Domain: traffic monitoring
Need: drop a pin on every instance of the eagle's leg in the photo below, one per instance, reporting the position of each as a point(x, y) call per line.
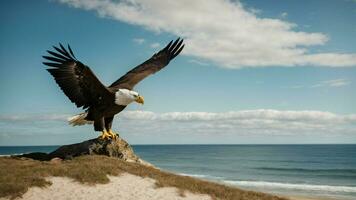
point(108, 125)
point(99, 125)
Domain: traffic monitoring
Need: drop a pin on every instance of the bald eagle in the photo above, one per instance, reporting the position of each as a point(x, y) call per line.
point(102, 103)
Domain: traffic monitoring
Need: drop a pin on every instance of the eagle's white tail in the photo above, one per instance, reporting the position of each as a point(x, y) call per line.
point(78, 120)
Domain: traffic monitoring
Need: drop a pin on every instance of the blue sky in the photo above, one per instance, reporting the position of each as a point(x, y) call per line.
point(279, 71)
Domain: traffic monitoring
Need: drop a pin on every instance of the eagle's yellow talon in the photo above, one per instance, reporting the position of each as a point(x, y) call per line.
point(105, 135)
point(113, 135)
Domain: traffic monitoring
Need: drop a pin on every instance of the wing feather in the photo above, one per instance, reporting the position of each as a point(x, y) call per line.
point(75, 79)
point(151, 66)
point(56, 55)
point(71, 52)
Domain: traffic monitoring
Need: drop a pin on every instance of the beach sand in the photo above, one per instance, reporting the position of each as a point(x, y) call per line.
point(126, 186)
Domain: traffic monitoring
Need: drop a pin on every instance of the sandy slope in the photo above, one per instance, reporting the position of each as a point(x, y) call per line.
point(309, 198)
point(125, 186)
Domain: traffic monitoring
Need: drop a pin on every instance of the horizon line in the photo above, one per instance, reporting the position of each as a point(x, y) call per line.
point(172, 144)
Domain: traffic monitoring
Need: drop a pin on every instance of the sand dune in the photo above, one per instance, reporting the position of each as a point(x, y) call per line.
point(126, 186)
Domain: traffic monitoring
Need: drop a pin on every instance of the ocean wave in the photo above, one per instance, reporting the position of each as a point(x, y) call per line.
point(9, 155)
point(308, 170)
point(194, 175)
point(201, 176)
point(308, 187)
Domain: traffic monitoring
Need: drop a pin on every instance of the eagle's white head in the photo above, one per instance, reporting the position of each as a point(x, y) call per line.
point(124, 97)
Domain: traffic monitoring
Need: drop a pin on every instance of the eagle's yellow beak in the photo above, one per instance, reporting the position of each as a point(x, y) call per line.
point(140, 100)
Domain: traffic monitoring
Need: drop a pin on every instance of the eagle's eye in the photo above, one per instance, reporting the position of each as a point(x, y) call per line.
point(135, 95)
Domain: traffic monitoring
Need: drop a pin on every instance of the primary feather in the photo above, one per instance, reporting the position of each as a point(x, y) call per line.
point(150, 66)
point(75, 79)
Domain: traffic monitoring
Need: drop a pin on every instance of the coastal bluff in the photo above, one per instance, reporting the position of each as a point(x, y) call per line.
point(116, 148)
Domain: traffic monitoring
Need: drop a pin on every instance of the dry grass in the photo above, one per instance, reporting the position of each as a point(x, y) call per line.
point(17, 175)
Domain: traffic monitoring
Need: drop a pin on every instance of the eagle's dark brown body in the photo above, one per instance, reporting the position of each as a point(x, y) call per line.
point(84, 89)
point(103, 115)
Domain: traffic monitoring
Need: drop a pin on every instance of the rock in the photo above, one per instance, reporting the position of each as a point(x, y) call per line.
point(35, 156)
point(117, 148)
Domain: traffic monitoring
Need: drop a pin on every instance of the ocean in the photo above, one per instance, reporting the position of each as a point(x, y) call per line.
point(296, 170)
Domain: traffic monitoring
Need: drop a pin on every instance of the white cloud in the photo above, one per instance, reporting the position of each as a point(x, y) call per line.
point(254, 122)
point(138, 40)
point(255, 11)
point(223, 32)
point(333, 83)
point(328, 83)
point(284, 14)
point(155, 45)
point(261, 114)
point(33, 117)
point(294, 87)
point(198, 62)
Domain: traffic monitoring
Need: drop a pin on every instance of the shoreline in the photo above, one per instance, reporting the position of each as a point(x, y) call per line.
point(309, 198)
point(269, 185)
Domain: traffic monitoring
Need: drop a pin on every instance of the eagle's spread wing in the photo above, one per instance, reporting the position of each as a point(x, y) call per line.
point(150, 66)
point(75, 79)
